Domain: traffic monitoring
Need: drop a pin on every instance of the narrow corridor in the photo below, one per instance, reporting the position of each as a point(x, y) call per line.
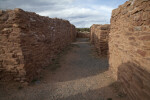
point(81, 76)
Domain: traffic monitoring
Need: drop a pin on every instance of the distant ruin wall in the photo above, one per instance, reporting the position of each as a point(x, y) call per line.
point(92, 32)
point(99, 37)
point(129, 48)
point(29, 42)
point(83, 35)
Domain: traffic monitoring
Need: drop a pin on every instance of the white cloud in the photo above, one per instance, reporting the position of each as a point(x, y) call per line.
point(103, 8)
point(78, 15)
point(82, 17)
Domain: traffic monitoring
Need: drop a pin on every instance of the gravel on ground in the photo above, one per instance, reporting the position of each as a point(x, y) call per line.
point(81, 76)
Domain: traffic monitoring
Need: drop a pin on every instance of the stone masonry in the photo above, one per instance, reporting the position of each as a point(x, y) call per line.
point(129, 48)
point(83, 35)
point(92, 32)
point(29, 42)
point(99, 37)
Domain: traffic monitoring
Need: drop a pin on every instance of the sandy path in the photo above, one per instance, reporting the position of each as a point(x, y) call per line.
point(81, 76)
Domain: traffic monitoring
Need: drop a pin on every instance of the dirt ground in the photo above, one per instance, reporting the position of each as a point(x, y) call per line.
point(78, 74)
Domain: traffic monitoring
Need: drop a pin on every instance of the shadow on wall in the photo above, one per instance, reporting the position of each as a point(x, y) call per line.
point(104, 49)
point(99, 37)
point(135, 81)
point(101, 46)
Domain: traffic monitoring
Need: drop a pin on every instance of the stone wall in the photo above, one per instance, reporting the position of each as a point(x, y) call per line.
point(83, 34)
point(129, 48)
point(99, 37)
point(92, 31)
point(29, 42)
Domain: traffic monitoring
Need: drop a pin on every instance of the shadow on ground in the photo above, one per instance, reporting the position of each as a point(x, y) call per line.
point(82, 76)
point(110, 92)
point(80, 63)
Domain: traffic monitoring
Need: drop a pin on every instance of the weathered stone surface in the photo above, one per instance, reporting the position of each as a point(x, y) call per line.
point(83, 34)
point(99, 37)
point(29, 42)
point(129, 48)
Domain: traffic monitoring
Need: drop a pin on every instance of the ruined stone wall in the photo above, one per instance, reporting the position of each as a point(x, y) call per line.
point(129, 48)
point(83, 34)
point(92, 31)
point(29, 42)
point(99, 37)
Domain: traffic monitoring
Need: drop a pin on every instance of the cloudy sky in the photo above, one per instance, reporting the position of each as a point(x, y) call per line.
point(81, 13)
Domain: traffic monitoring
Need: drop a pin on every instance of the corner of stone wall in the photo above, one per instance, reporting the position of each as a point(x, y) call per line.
point(29, 42)
point(99, 37)
point(11, 57)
